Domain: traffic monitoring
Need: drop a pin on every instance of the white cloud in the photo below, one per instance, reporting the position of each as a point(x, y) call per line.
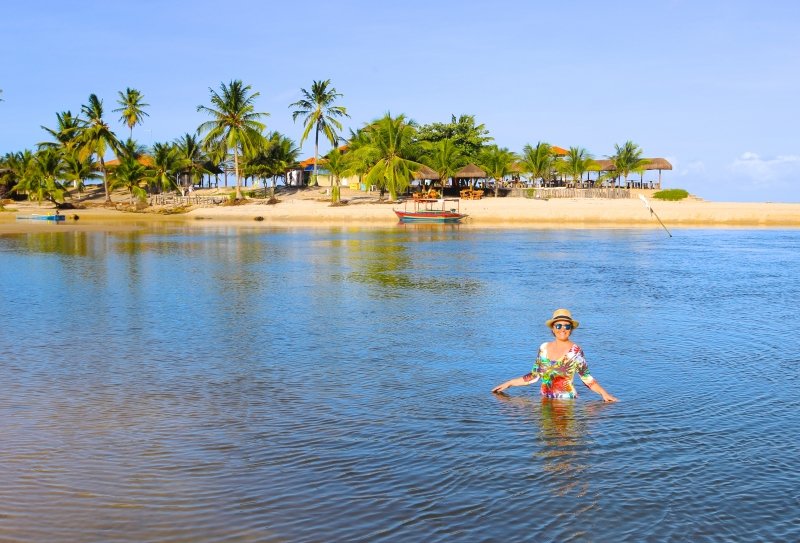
point(767, 171)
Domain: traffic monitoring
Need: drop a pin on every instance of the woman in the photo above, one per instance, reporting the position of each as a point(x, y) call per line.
point(557, 363)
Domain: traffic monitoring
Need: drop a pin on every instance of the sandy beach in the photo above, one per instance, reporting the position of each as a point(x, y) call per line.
point(311, 208)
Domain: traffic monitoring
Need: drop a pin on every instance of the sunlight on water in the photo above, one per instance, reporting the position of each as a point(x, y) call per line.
point(226, 384)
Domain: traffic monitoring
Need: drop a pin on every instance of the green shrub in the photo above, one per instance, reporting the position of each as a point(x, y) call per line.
point(671, 194)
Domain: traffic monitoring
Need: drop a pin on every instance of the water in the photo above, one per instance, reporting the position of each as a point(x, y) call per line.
point(231, 384)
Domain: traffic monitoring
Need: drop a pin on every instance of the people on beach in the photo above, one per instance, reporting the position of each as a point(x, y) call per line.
point(557, 363)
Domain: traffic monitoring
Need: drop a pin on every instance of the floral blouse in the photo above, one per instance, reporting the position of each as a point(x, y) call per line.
point(557, 375)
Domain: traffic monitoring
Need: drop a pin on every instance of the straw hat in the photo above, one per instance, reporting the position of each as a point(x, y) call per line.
point(562, 315)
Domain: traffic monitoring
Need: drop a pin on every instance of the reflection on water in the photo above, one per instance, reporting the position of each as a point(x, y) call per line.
point(247, 384)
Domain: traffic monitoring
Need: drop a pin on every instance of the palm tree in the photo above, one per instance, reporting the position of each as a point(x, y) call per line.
point(77, 169)
point(131, 108)
point(66, 132)
point(320, 113)
point(338, 166)
point(97, 137)
point(497, 162)
point(362, 157)
point(167, 163)
point(14, 167)
point(283, 155)
point(627, 159)
point(391, 146)
point(538, 161)
point(444, 158)
point(190, 150)
point(131, 148)
point(130, 174)
point(577, 162)
point(40, 178)
point(235, 125)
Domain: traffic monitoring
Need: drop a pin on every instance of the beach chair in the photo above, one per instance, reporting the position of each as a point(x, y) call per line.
point(477, 194)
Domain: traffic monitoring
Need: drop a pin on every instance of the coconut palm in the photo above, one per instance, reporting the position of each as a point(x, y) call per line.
point(14, 167)
point(66, 133)
point(362, 157)
point(235, 125)
point(131, 148)
point(443, 157)
point(131, 108)
point(576, 162)
point(497, 162)
point(393, 149)
point(40, 179)
point(190, 150)
point(97, 137)
point(283, 153)
point(627, 159)
point(338, 167)
point(538, 161)
point(77, 169)
point(320, 114)
point(131, 174)
point(167, 163)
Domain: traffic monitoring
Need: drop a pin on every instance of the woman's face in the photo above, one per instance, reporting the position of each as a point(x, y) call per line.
point(562, 329)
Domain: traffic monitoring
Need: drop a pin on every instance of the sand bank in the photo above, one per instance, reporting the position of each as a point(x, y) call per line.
point(309, 208)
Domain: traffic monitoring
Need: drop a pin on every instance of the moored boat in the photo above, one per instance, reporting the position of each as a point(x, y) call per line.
point(35, 217)
point(427, 210)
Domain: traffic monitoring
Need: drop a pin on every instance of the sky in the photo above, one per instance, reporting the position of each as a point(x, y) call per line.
point(712, 86)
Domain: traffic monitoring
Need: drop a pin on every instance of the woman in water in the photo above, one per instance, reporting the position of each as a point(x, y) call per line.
point(557, 363)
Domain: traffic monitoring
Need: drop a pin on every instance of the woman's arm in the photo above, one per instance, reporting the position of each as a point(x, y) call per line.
point(595, 387)
point(525, 380)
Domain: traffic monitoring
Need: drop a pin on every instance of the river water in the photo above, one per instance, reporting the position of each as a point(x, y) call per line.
point(225, 383)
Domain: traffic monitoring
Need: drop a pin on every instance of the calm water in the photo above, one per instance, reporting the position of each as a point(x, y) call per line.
point(233, 384)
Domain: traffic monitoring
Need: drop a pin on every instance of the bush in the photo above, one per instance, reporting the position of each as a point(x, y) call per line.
point(671, 194)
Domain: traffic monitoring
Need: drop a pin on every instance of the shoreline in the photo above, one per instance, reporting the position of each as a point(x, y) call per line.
point(308, 209)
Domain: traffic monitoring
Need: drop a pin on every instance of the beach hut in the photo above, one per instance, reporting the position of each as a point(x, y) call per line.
point(470, 172)
point(658, 164)
point(606, 165)
point(425, 172)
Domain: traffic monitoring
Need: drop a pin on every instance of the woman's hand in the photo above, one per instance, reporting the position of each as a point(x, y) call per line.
point(609, 398)
point(501, 388)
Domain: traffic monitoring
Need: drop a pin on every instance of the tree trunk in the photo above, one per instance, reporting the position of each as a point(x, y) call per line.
point(316, 157)
point(105, 179)
point(236, 172)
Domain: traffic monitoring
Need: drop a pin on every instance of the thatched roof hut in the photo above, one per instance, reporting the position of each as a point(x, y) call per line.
point(606, 165)
point(658, 164)
point(425, 172)
point(558, 151)
point(144, 160)
point(470, 171)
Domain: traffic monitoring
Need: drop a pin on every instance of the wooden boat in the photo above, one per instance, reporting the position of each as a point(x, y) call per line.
point(35, 217)
point(429, 210)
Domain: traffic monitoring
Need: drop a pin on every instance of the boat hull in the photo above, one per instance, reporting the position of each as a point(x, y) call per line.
point(429, 216)
point(51, 218)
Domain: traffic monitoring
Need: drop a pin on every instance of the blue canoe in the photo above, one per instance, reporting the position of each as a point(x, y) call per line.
point(51, 218)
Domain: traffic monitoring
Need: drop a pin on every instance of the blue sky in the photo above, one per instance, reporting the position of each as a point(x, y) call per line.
point(713, 86)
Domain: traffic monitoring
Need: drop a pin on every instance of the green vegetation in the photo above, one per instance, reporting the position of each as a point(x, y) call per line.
point(320, 114)
point(236, 124)
point(671, 194)
point(386, 153)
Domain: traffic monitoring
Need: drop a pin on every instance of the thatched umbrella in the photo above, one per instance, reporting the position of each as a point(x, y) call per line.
point(658, 164)
point(144, 160)
point(425, 172)
point(471, 172)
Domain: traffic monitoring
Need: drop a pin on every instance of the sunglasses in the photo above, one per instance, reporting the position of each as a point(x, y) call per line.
point(564, 326)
